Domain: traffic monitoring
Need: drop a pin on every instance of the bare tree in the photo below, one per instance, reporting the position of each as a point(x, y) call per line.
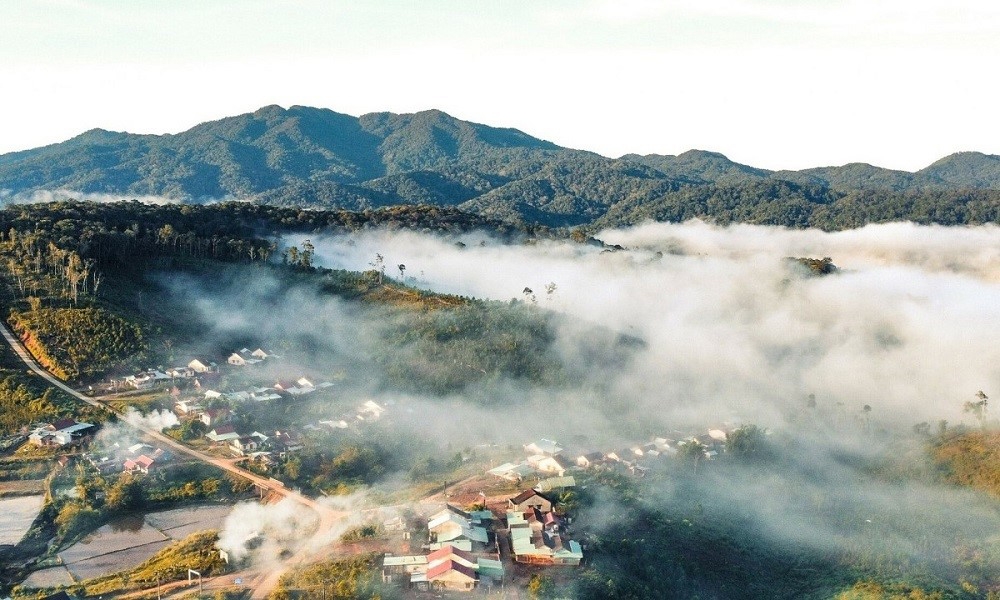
point(97, 278)
point(379, 266)
point(978, 408)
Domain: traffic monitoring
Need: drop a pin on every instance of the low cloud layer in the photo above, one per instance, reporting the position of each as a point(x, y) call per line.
point(730, 332)
point(908, 325)
point(8, 197)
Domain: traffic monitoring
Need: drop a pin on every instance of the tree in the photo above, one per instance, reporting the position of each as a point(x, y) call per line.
point(402, 272)
point(127, 493)
point(379, 267)
point(308, 250)
point(692, 452)
point(76, 518)
point(539, 586)
point(747, 442)
point(192, 429)
point(978, 408)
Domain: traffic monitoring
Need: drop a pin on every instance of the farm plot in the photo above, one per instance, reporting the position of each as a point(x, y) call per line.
point(16, 516)
point(182, 522)
point(49, 578)
point(126, 543)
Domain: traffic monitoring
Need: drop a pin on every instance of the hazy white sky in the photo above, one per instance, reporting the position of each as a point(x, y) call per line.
point(773, 83)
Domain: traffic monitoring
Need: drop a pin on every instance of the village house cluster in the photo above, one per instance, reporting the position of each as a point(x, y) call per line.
point(194, 371)
point(547, 458)
point(537, 533)
point(135, 458)
point(464, 547)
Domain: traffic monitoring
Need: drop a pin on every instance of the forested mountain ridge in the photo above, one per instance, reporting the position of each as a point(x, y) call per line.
point(317, 158)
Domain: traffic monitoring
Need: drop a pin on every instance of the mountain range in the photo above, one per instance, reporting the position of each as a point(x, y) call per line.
point(312, 157)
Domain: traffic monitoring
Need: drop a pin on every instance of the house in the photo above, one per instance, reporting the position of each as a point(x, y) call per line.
point(223, 434)
point(137, 449)
point(537, 541)
point(104, 464)
point(140, 464)
point(399, 568)
point(637, 470)
point(449, 527)
point(213, 416)
point(244, 445)
point(370, 411)
point(490, 568)
point(719, 435)
point(284, 384)
point(335, 424)
point(263, 395)
point(589, 459)
point(529, 499)
point(64, 432)
point(556, 465)
point(665, 446)
point(543, 446)
point(480, 516)
point(259, 354)
point(180, 372)
point(187, 406)
point(287, 441)
point(555, 483)
point(148, 379)
point(512, 472)
point(451, 575)
point(453, 554)
point(203, 366)
point(242, 358)
point(622, 456)
point(455, 510)
point(292, 388)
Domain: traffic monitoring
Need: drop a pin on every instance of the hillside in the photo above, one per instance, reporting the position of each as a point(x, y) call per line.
point(317, 158)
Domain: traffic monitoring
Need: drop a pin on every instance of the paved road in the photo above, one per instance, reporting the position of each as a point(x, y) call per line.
point(327, 516)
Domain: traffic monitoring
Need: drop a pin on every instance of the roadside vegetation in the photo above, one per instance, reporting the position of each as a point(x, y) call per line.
point(354, 578)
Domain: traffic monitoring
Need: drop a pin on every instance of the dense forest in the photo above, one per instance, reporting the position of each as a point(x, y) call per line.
point(735, 527)
point(83, 291)
point(316, 158)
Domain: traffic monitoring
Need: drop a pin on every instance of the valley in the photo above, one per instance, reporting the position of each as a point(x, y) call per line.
point(689, 401)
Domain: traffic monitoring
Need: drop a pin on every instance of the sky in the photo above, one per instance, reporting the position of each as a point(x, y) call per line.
point(773, 83)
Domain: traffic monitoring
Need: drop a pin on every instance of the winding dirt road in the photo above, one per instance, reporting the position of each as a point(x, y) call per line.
point(327, 516)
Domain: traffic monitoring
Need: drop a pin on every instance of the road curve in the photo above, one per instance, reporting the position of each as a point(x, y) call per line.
point(327, 516)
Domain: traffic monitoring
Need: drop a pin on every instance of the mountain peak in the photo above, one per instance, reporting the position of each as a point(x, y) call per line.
point(965, 169)
point(694, 154)
point(271, 110)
